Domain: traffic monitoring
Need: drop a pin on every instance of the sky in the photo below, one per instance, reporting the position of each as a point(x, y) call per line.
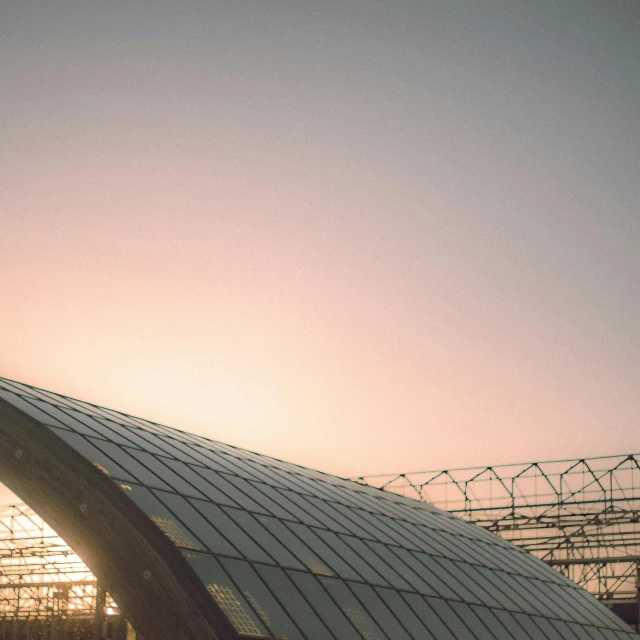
point(365, 237)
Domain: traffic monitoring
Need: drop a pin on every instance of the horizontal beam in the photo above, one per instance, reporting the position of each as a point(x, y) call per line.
point(599, 560)
point(58, 584)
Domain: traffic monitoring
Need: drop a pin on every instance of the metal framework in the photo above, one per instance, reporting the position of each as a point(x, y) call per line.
point(45, 586)
point(580, 516)
point(40, 575)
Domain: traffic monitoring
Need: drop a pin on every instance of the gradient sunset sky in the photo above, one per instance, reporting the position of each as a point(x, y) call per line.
point(365, 237)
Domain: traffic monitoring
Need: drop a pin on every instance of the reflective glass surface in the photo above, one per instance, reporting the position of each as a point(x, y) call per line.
point(291, 553)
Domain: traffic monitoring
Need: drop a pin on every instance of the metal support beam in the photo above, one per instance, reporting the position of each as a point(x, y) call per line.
point(580, 516)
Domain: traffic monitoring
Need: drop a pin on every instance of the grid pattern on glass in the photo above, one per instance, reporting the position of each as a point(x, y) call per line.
point(173, 531)
point(233, 609)
point(289, 552)
point(363, 624)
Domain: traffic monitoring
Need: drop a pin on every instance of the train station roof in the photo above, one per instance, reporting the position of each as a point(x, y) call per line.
point(196, 539)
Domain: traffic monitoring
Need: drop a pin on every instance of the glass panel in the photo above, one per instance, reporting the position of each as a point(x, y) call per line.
point(272, 545)
point(190, 518)
point(287, 479)
point(507, 585)
point(296, 546)
point(205, 488)
point(490, 616)
point(563, 629)
point(405, 614)
point(143, 475)
point(226, 463)
point(529, 626)
point(338, 494)
point(91, 409)
point(163, 471)
point(471, 620)
point(295, 513)
point(516, 562)
point(399, 535)
point(164, 519)
point(379, 611)
point(297, 505)
point(334, 520)
point(565, 598)
point(232, 466)
point(363, 527)
point(397, 511)
point(622, 636)
point(124, 435)
point(30, 409)
point(231, 531)
point(166, 446)
point(323, 490)
point(339, 566)
point(243, 467)
point(359, 617)
point(192, 451)
point(220, 481)
point(261, 599)
point(394, 560)
point(268, 476)
point(485, 624)
point(294, 603)
point(324, 605)
point(376, 562)
point(547, 630)
point(378, 504)
point(485, 590)
point(59, 416)
point(530, 588)
point(97, 429)
point(93, 454)
point(581, 632)
point(14, 387)
point(230, 601)
point(467, 552)
point(114, 416)
point(254, 492)
point(436, 624)
point(210, 457)
point(456, 579)
point(422, 540)
point(348, 554)
point(418, 562)
point(78, 422)
point(601, 616)
point(497, 558)
point(434, 539)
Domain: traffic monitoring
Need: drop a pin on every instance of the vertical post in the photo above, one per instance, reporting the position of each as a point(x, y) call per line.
point(638, 596)
point(98, 615)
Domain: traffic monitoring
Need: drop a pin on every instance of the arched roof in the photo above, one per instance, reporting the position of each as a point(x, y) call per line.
point(201, 540)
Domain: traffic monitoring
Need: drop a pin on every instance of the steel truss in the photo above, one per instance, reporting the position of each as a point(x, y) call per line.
point(40, 576)
point(580, 516)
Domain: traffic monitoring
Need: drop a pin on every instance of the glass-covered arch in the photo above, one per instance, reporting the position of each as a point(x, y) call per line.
point(198, 539)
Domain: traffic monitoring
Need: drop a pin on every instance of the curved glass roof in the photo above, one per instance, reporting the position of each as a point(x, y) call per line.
point(291, 553)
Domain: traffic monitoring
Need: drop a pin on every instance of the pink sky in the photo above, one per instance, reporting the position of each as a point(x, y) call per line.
point(365, 242)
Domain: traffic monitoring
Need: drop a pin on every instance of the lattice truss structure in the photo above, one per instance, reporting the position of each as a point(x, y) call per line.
point(580, 516)
point(40, 575)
